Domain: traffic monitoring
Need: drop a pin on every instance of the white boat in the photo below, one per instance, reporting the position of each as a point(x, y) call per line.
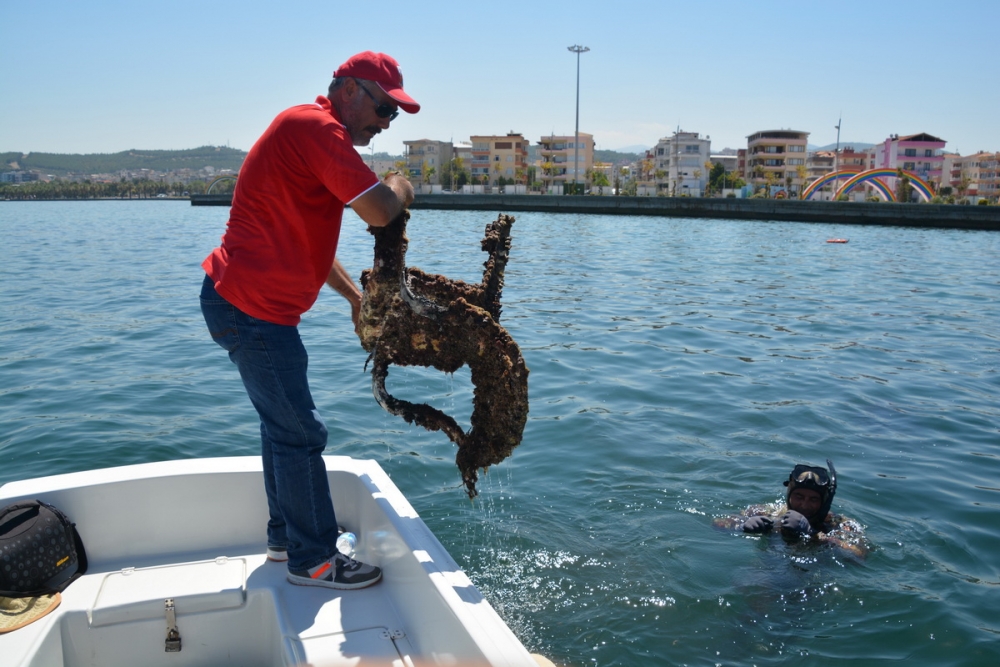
point(193, 532)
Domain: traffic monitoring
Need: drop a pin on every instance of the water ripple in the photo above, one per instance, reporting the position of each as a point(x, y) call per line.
point(678, 369)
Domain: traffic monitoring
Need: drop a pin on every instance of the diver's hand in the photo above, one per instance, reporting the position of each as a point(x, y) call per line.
point(758, 524)
point(794, 522)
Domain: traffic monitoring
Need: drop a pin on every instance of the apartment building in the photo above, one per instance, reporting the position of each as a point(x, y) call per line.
point(851, 160)
point(777, 158)
point(948, 170)
point(728, 161)
point(921, 154)
point(679, 164)
point(496, 156)
point(562, 159)
point(18, 176)
point(380, 166)
point(975, 177)
point(818, 165)
point(463, 151)
point(822, 163)
point(424, 158)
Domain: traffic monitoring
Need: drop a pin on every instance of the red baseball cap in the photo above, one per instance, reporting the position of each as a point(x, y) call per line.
point(383, 70)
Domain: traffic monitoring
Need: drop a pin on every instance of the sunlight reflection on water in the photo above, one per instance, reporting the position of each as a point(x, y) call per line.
point(678, 369)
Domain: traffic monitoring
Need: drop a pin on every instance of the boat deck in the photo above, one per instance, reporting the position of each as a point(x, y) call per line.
point(190, 535)
point(244, 599)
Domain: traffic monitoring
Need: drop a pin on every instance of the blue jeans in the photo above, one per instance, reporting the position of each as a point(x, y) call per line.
point(272, 362)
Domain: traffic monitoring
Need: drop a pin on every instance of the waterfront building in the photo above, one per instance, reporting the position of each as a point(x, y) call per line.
point(461, 155)
point(728, 161)
point(603, 172)
point(424, 159)
point(681, 164)
point(853, 160)
point(557, 155)
point(381, 165)
point(463, 150)
point(818, 165)
point(921, 154)
point(499, 156)
point(948, 171)
point(822, 163)
point(974, 177)
point(19, 176)
point(776, 159)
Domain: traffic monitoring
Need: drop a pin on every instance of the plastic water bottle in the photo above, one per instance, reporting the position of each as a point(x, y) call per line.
point(347, 542)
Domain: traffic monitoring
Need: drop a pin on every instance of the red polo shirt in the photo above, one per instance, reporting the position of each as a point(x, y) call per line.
point(284, 223)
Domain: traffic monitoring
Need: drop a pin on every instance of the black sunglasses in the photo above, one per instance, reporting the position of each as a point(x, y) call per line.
point(382, 110)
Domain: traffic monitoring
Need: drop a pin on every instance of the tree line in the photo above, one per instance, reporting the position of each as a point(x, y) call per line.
point(139, 188)
point(62, 164)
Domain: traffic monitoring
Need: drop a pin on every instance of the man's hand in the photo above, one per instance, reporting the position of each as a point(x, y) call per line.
point(401, 186)
point(356, 317)
point(757, 524)
point(340, 280)
point(794, 522)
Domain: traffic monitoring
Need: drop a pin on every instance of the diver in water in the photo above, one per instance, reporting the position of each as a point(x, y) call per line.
point(806, 513)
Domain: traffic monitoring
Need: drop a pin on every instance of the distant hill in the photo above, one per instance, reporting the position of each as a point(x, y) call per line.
point(617, 157)
point(609, 156)
point(856, 145)
point(639, 149)
point(61, 164)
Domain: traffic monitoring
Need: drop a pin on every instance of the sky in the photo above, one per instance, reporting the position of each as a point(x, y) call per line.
point(105, 76)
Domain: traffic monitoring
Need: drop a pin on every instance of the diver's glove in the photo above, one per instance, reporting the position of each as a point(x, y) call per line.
point(794, 522)
point(758, 524)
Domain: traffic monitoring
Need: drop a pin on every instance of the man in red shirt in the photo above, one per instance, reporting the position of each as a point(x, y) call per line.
point(278, 250)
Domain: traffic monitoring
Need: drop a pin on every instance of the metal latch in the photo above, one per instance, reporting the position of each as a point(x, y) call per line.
point(173, 642)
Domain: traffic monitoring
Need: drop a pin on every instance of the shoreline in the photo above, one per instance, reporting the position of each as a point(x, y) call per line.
point(947, 216)
point(855, 213)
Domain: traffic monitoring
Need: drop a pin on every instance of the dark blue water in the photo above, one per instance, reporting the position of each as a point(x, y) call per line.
point(679, 368)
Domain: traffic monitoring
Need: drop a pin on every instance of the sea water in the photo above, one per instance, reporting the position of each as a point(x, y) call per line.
point(679, 369)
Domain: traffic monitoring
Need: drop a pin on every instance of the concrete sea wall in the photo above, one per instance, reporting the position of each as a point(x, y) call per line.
point(854, 213)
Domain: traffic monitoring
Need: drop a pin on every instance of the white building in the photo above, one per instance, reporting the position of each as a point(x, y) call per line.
point(679, 164)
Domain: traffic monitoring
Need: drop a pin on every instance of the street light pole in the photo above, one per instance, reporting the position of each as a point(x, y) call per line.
point(836, 157)
point(576, 138)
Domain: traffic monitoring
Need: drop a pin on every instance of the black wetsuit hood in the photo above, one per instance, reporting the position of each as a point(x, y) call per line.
point(817, 479)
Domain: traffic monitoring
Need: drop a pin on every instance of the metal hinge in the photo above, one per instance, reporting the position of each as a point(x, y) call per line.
point(173, 641)
point(392, 634)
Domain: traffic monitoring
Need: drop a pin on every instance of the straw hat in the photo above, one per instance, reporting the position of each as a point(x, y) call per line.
point(18, 612)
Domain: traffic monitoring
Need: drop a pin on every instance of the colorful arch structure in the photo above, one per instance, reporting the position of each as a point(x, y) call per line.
point(882, 189)
point(872, 176)
point(813, 187)
point(922, 187)
point(219, 179)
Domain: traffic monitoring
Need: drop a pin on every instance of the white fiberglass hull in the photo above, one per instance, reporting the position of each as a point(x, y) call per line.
point(193, 532)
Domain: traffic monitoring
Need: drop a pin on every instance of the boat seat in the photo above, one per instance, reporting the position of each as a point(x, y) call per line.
point(137, 594)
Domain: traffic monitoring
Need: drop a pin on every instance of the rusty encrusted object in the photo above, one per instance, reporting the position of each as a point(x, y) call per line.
point(412, 318)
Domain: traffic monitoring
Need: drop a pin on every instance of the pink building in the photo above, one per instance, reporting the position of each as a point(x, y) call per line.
point(921, 154)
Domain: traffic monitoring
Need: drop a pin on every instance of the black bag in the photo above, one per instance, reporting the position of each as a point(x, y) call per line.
point(40, 550)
